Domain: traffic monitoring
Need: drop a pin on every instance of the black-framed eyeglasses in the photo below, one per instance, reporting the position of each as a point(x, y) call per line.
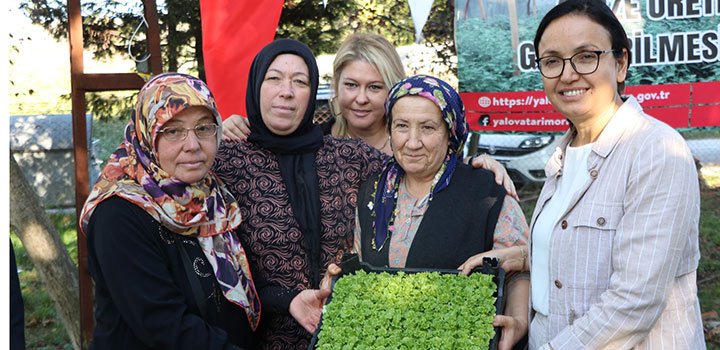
point(176, 133)
point(583, 62)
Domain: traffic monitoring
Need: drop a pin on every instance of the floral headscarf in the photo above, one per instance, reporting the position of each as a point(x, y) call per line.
point(382, 206)
point(204, 209)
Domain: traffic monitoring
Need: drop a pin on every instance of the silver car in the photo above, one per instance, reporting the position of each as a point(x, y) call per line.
point(524, 155)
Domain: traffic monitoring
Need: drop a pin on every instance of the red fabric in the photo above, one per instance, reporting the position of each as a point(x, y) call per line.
point(233, 32)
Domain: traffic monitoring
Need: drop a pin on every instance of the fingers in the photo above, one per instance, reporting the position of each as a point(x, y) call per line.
point(306, 307)
point(311, 325)
point(235, 128)
point(503, 321)
point(471, 263)
point(323, 293)
point(510, 187)
point(507, 339)
point(332, 271)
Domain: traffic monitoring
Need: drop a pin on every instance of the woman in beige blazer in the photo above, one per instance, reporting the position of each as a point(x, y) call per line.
point(614, 235)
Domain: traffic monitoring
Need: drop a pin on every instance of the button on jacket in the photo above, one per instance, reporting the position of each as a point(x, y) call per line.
point(624, 255)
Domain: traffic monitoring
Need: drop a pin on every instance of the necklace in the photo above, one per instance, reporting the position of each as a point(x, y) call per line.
point(387, 139)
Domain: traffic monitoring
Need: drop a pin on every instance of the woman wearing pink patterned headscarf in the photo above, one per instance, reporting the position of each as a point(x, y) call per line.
point(169, 270)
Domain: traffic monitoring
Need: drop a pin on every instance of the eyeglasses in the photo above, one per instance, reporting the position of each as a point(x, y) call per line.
point(583, 62)
point(176, 133)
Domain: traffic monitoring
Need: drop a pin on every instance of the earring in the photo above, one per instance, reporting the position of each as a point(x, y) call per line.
point(334, 107)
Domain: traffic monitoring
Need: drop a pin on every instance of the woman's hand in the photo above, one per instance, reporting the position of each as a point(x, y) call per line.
point(511, 259)
point(307, 306)
point(487, 162)
point(235, 128)
point(332, 271)
point(513, 330)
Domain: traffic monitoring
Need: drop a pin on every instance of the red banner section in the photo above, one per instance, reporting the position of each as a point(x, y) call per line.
point(677, 117)
point(233, 32)
point(707, 92)
point(707, 115)
point(548, 121)
point(661, 95)
point(529, 111)
point(516, 101)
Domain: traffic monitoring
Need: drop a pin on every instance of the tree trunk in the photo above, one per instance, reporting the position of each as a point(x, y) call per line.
point(197, 32)
point(46, 251)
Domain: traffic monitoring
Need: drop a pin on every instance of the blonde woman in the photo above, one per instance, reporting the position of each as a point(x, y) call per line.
point(365, 67)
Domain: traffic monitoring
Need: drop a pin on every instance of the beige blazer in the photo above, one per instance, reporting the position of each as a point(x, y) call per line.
point(624, 255)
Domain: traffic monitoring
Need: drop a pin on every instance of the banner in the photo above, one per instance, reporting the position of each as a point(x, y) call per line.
point(674, 73)
point(234, 31)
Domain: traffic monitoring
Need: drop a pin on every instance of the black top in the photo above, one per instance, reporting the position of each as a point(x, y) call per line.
point(143, 298)
point(459, 222)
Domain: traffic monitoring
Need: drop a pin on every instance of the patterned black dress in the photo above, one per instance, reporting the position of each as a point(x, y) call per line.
point(270, 234)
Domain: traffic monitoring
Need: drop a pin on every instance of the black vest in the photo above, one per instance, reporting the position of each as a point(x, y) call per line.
point(458, 224)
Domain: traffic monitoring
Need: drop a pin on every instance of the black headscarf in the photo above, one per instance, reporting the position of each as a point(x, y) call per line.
point(295, 152)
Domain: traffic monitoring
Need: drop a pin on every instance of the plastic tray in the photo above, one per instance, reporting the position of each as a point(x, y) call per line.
point(350, 263)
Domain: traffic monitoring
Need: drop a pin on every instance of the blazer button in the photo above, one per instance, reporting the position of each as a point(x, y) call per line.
point(601, 221)
point(594, 173)
point(563, 224)
point(558, 284)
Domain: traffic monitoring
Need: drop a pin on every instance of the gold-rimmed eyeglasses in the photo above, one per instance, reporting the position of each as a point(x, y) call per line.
point(176, 133)
point(583, 62)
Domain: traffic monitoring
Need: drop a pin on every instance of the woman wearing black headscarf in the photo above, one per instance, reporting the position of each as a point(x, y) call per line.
point(296, 188)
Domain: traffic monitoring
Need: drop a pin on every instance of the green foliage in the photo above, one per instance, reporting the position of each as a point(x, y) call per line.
point(390, 19)
point(321, 29)
point(485, 59)
point(425, 310)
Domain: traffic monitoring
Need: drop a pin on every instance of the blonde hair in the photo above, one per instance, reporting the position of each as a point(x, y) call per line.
point(373, 49)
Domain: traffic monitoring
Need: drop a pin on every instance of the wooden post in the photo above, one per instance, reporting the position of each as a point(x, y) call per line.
point(81, 165)
point(81, 83)
point(153, 35)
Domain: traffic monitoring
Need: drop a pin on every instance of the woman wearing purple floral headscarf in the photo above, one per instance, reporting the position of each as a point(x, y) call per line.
point(426, 209)
point(169, 270)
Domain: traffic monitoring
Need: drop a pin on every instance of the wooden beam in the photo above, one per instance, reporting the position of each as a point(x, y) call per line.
point(81, 166)
point(108, 81)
